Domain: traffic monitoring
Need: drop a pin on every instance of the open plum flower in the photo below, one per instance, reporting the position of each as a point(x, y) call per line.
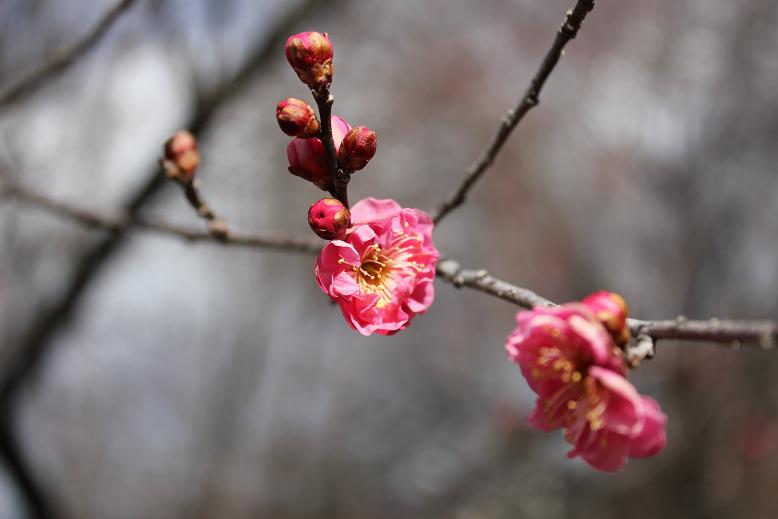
point(571, 362)
point(381, 274)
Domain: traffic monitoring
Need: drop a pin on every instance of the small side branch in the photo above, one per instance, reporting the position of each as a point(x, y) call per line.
point(121, 223)
point(531, 98)
point(65, 58)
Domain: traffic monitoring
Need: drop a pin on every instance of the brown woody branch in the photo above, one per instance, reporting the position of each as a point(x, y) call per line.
point(63, 59)
point(324, 101)
point(125, 222)
point(531, 98)
point(763, 333)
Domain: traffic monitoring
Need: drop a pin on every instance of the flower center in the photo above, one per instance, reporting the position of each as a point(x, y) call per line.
point(380, 270)
point(374, 264)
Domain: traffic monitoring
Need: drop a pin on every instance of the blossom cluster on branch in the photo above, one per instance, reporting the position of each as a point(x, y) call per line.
point(572, 358)
point(379, 265)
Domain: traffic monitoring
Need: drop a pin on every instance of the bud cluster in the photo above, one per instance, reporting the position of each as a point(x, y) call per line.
point(310, 55)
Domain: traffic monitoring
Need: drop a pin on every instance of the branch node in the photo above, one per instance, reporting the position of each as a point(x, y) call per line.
point(218, 228)
point(644, 348)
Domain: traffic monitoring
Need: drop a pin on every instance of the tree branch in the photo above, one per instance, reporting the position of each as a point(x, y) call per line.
point(763, 333)
point(63, 59)
point(125, 222)
point(340, 178)
point(531, 98)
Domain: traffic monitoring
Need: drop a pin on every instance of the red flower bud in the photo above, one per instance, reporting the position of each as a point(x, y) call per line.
point(310, 55)
point(329, 218)
point(611, 310)
point(296, 118)
point(307, 158)
point(181, 156)
point(358, 147)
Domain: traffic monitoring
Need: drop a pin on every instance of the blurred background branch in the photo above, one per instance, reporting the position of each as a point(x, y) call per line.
point(63, 59)
point(529, 100)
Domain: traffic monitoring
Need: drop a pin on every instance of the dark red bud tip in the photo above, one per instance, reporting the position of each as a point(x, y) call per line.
point(310, 55)
point(296, 118)
point(357, 148)
point(181, 156)
point(329, 218)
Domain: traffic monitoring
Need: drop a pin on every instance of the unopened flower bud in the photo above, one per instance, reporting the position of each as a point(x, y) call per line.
point(310, 55)
point(296, 118)
point(358, 147)
point(181, 156)
point(308, 159)
point(329, 218)
point(611, 310)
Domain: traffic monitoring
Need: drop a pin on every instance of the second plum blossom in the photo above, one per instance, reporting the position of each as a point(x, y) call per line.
point(572, 363)
point(381, 274)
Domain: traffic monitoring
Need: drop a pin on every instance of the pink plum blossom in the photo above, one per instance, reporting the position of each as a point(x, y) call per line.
point(572, 363)
point(381, 274)
point(307, 158)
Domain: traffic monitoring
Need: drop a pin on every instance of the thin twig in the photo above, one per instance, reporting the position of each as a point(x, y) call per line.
point(63, 59)
point(531, 98)
point(124, 222)
point(340, 178)
point(763, 333)
point(216, 225)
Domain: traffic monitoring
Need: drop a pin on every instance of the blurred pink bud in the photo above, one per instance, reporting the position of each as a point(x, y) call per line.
point(329, 219)
point(310, 55)
point(296, 118)
point(181, 156)
point(611, 309)
point(359, 146)
point(307, 158)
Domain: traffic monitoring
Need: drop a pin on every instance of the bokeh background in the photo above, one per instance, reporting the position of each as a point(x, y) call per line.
point(191, 380)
